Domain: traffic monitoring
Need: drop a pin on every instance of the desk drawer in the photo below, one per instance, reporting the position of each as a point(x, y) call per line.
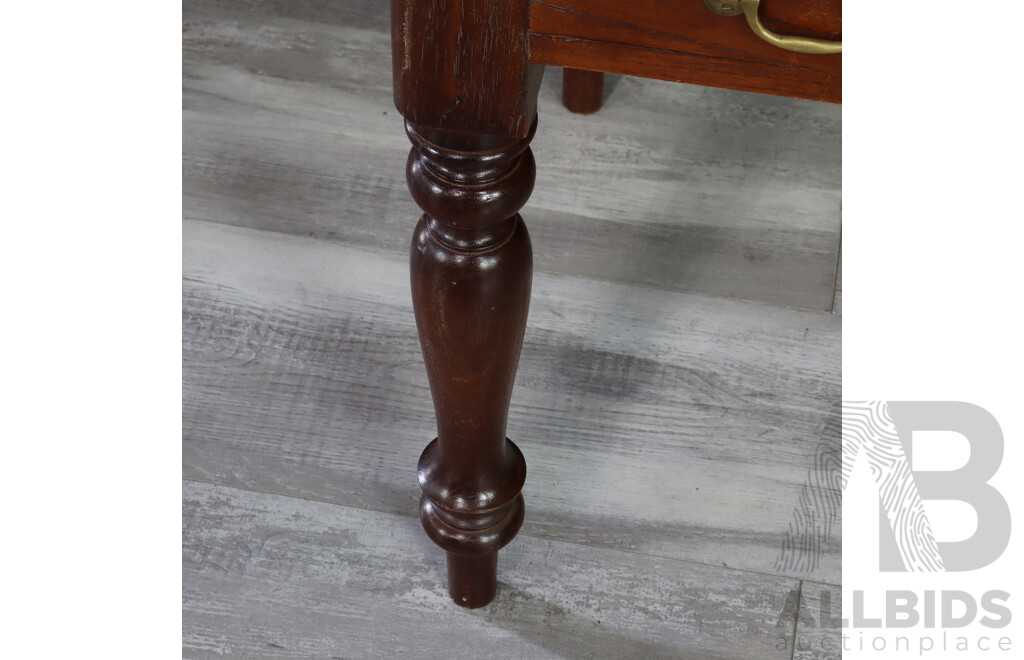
point(684, 41)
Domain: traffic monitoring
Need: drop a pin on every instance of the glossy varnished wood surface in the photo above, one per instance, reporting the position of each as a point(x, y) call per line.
point(688, 43)
point(467, 92)
point(471, 268)
point(658, 354)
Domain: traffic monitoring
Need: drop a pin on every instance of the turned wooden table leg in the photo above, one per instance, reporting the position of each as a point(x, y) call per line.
point(469, 97)
point(582, 91)
point(471, 269)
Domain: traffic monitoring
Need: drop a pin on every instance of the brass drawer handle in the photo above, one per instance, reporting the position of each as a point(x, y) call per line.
point(797, 44)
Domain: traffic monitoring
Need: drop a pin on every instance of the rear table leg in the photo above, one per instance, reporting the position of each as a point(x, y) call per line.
point(582, 91)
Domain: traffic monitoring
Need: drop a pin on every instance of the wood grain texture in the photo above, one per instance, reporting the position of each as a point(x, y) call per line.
point(273, 577)
point(463, 65)
point(692, 28)
point(673, 66)
point(305, 352)
point(818, 631)
point(290, 126)
point(360, 14)
point(690, 44)
point(837, 302)
point(818, 19)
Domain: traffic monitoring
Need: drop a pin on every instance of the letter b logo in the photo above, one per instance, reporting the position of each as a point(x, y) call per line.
point(883, 430)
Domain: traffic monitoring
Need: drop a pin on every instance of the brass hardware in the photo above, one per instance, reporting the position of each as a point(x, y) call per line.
point(797, 44)
point(724, 7)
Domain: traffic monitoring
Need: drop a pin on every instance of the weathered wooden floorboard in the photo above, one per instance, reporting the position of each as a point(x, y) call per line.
point(837, 303)
point(290, 126)
point(364, 14)
point(303, 377)
point(818, 631)
point(267, 576)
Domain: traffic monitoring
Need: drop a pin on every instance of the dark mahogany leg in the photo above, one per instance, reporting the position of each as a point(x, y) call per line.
point(471, 269)
point(582, 91)
point(468, 93)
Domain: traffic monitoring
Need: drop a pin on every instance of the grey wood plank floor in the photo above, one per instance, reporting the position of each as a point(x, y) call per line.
point(318, 580)
point(676, 400)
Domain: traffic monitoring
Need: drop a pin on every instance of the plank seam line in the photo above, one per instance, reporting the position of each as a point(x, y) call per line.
point(835, 277)
point(520, 535)
point(796, 618)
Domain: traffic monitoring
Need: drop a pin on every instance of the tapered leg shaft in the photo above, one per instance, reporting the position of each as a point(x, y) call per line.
point(471, 271)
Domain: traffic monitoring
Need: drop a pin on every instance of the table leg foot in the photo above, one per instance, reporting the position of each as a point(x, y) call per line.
point(582, 91)
point(472, 580)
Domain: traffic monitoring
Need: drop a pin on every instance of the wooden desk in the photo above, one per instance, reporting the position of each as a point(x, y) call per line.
point(466, 74)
